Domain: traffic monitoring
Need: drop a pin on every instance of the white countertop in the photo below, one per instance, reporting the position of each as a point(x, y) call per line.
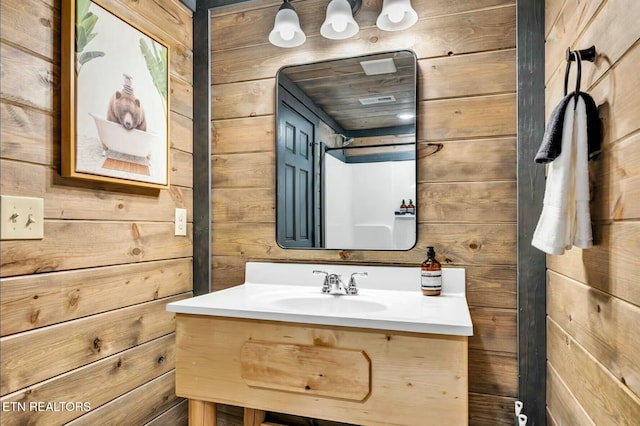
point(294, 296)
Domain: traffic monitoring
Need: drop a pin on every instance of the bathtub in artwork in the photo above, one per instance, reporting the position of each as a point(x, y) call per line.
point(116, 138)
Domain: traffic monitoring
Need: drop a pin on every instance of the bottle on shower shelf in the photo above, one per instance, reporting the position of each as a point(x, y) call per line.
point(403, 207)
point(411, 209)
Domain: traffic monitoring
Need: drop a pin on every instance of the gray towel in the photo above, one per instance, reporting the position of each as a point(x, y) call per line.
point(552, 140)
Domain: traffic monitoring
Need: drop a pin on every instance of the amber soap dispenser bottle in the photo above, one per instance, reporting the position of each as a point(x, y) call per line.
point(431, 274)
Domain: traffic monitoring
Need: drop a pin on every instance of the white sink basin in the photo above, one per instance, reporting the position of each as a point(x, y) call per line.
point(328, 304)
point(389, 299)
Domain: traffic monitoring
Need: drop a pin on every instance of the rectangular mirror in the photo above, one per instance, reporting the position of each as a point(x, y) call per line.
point(346, 153)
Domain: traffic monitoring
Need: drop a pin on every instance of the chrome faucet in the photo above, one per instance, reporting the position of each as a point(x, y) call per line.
point(334, 285)
point(352, 288)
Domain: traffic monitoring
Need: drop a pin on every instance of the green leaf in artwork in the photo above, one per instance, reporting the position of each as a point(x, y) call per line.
point(82, 7)
point(157, 65)
point(87, 56)
point(85, 23)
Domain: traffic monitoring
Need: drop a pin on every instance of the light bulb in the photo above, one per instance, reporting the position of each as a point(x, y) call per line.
point(287, 33)
point(405, 116)
point(396, 15)
point(339, 24)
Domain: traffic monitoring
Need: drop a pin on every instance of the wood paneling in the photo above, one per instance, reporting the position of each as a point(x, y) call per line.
point(28, 80)
point(260, 19)
point(138, 406)
point(616, 181)
point(257, 170)
point(466, 191)
point(491, 286)
point(243, 99)
point(110, 243)
point(490, 410)
point(495, 160)
point(66, 199)
point(448, 77)
point(611, 265)
point(493, 373)
point(561, 404)
point(86, 340)
point(493, 29)
point(33, 301)
point(468, 202)
point(493, 330)
point(33, 24)
point(27, 134)
point(122, 372)
point(592, 294)
point(178, 415)
point(181, 168)
point(243, 135)
point(83, 310)
point(598, 391)
point(458, 244)
point(467, 117)
point(243, 205)
point(592, 318)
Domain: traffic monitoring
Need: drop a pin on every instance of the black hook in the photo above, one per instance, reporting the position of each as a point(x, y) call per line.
point(585, 54)
point(577, 58)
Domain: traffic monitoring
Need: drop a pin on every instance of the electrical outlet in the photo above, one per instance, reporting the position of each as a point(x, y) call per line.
point(181, 222)
point(22, 218)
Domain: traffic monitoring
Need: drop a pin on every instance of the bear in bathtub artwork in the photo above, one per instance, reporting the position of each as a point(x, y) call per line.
point(121, 103)
point(124, 130)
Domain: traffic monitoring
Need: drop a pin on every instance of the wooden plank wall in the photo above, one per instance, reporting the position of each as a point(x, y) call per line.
point(466, 192)
point(593, 295)
point(83, 311)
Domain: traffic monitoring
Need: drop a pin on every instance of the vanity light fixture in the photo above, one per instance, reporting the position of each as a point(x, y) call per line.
point(339, 23)
point(396, 15)
point(286, 30)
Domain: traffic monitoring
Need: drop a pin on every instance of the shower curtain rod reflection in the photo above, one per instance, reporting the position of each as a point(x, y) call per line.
point(369, 146)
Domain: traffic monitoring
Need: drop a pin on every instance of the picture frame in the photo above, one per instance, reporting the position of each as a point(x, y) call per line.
point(115, 98)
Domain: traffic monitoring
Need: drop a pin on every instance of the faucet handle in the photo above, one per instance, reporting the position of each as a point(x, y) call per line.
point(353, 288)
point(325, 284)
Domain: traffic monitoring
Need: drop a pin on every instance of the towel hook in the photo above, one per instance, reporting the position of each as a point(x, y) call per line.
point(577, 58)
point(585, 54)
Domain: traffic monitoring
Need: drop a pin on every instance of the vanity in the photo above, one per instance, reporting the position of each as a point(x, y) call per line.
point(386, 355)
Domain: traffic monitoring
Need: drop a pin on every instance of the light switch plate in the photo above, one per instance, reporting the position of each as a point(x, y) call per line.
point(22, 218)
point(181, 222)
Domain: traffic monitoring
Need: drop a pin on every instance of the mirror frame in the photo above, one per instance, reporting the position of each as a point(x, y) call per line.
point(280, 96)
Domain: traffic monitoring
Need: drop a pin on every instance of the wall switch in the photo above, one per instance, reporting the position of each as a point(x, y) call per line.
point(181, 222)
point(21, 218)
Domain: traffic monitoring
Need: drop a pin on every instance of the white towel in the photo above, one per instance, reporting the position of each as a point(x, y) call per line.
point(565, 220)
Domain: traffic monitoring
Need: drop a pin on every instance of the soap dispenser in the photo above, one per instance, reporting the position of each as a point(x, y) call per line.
point(431, 274)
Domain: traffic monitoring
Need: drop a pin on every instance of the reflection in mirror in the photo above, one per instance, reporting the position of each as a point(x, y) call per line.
point(346, 153)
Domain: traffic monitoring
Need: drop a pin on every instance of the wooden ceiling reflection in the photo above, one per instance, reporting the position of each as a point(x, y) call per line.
point(338, 86)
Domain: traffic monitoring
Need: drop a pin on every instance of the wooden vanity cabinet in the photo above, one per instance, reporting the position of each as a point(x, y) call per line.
point(352, 375)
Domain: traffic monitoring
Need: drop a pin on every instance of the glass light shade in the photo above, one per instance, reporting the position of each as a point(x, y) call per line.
point(339, 23)
point(396, 15)
point(286, 30)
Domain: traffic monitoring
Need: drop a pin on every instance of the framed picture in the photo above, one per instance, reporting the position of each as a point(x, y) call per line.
point(115, 98)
